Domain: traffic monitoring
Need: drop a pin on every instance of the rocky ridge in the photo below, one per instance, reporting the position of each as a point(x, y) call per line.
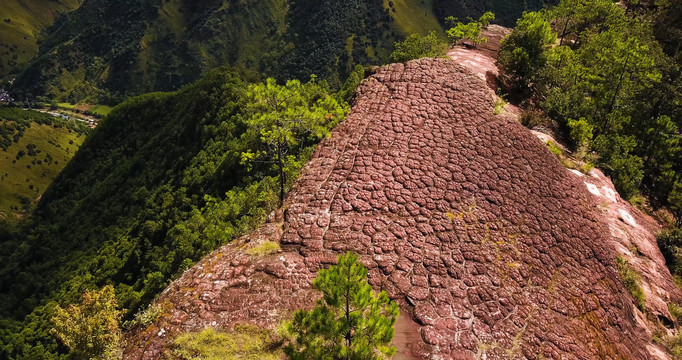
point(491, 247)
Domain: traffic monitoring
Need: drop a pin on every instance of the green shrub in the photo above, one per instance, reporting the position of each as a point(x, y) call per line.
point(470, 31)
point(417, 46)
point(523, 52)
point(147, 316)
point(670, 242)
point(675, 311)
point(632, 282)
point(674, 344)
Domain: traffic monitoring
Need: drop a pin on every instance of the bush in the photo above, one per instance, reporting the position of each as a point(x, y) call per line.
point(523, 52)
point(581, 133)
point(90, 330)
point(470, 31)
point(670, 242)
point(632, 282)
point(417, 46)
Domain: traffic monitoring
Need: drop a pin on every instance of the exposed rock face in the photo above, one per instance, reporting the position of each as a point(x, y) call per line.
point(489, 245)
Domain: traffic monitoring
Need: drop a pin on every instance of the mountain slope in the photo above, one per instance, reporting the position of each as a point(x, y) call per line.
point(21, 24)
point(106, 51)
point(35, 148)
point(488, 244)
point(155, 186)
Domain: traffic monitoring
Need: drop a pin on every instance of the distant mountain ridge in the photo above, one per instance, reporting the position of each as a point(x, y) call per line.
point(106, 51)
point(21, 22)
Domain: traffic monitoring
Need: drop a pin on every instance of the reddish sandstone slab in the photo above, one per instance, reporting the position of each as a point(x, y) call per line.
point(488, 244)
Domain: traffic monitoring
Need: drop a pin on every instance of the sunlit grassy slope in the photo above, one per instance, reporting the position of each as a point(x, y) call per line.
point(414, 16)
point(20, 24)
point(24, 178)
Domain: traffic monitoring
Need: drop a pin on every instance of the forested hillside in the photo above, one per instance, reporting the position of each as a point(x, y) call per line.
point(21, 24)
point(106, 51)
point(160, 183)
point(599, 72)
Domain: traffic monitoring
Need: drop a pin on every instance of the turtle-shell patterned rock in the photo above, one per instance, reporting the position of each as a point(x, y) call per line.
point(492, 249)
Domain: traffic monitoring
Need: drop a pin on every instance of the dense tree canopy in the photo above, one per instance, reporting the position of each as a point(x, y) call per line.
point(283, 116)
point(159, 184)
point(417, 46)
point(608, 84)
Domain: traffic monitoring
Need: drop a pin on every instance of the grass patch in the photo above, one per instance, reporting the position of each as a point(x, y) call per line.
point(563, 157)
point(631, 280)
point(66, 106)
point(99, 110)
point(246, 342)
point(499, 105)
point(264, 248)
point(675, 311)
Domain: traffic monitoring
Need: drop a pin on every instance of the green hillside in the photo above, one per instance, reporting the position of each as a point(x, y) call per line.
point(157, 185)
point(106, 51)
point(21, 23)
point(35, 148)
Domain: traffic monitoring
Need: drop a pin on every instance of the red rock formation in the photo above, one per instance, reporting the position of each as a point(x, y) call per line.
point(489, 245)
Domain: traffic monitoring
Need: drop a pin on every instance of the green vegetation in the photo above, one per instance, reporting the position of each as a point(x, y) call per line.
point(524, 52)
point(245, 342)
point(670, 243)
point(161, 45)
point(159, 184)
point(471, 31)
point(282, 116)
point(506, 12)
point(35, 147)
point(416, 46)
point(349, 322)
point(675, 311)
point(609, 86)
point(674, 345)
point(264, 248)
point(414, 16)
point(21, 22)
point(90, 330)
point(104, 52)
point(632, 282)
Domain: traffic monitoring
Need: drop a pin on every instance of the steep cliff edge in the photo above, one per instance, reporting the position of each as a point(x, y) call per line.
point(465, 218)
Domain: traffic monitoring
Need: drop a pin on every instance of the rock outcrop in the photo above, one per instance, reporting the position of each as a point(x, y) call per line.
point(491, 248)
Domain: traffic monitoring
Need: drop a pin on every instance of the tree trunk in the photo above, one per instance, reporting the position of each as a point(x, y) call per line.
point(615, 94)
point(349, 335)
point(280, 163)
point(563, 32)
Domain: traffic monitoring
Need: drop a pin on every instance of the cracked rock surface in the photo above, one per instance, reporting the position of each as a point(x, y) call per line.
point(492, 249)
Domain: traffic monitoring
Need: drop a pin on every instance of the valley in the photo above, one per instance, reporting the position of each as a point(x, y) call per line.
point(366, 179)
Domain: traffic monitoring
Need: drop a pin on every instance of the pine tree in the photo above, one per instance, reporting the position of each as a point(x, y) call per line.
point(284, 116)
point(349, 322)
